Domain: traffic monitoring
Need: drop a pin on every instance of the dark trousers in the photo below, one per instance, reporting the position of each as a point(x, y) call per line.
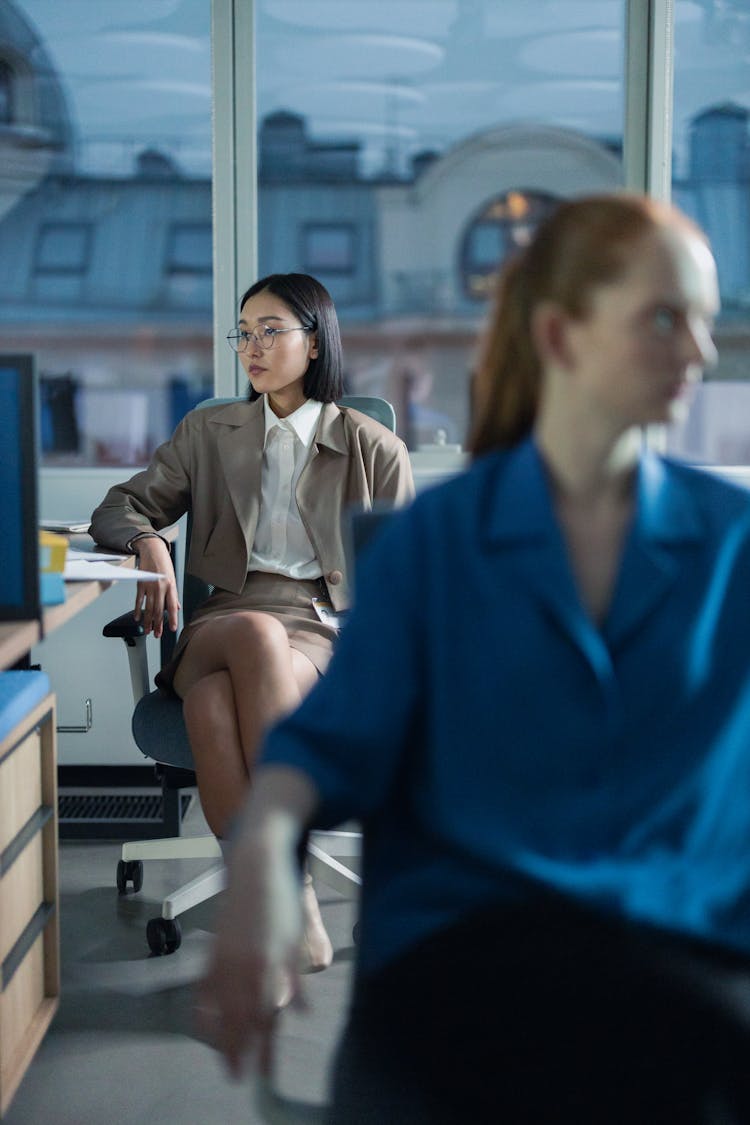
point(549, 1013)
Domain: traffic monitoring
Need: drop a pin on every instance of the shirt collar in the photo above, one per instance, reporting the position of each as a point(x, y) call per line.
point(303, 421)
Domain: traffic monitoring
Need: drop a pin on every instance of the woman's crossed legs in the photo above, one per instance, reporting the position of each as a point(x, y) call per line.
point(238, 675)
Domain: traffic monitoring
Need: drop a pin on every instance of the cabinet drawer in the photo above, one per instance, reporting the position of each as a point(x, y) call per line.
point(27, 1005)
point(20, 786)
point(21, 999)
point(21, 894)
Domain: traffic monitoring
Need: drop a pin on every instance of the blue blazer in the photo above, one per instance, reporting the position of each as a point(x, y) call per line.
point(491, 737)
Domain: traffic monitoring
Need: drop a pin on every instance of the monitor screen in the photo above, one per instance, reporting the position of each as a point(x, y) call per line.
point(19, 542)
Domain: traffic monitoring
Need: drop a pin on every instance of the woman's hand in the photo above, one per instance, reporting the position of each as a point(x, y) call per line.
point(253, 971)
point(153, 598)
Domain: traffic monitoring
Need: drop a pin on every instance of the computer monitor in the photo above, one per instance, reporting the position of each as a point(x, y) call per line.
point(19, 540)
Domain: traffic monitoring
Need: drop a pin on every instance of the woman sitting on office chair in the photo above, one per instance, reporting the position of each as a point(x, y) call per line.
point(267, 481)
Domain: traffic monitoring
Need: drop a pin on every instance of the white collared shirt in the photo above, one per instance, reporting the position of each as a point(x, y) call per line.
point(281, 543)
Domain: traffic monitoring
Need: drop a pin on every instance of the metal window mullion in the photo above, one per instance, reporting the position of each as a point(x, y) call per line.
point(649, 93)
point(246, 177)
point(649, 83)
point(234, 197)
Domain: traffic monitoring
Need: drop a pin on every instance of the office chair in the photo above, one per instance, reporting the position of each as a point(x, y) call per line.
point(160, 734)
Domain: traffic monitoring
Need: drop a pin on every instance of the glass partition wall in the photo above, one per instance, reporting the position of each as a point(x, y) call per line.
point(398, 150)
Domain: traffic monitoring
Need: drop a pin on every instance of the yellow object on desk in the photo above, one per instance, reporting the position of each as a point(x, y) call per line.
point(52, 551)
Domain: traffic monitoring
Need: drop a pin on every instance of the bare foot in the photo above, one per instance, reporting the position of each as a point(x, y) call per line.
point(316, 951)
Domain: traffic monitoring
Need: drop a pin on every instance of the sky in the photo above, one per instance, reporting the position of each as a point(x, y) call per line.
point(400, 76)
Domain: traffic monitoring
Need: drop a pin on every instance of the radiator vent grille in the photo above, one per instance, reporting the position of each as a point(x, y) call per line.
point(105, 808)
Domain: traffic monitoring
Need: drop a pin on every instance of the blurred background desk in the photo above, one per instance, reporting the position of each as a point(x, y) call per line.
point(18, 638)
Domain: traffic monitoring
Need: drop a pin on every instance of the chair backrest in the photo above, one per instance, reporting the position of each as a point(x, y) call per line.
point(378, 408)
point(195, 590)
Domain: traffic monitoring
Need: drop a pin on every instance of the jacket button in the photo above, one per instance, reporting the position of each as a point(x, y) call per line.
point(334, 577)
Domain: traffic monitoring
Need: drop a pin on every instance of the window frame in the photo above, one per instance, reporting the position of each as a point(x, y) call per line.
point(647, 138)
point(647, 142)
point(79, 269)
point(172, 264)
point(313, 227)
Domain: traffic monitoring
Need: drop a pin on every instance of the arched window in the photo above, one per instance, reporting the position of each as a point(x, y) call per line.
point(503, 225)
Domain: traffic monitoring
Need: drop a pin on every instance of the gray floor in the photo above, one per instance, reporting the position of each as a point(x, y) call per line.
point(123, 1048)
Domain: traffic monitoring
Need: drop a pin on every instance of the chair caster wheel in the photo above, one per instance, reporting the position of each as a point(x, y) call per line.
point(130, 871)
point(163, 935)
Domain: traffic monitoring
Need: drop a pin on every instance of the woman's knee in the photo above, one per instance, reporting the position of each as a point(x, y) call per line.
point(246, 644)
point(252, 634)
point(255, 623)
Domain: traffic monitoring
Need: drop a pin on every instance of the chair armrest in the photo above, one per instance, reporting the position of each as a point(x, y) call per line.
point(126, 627)
point(131, 632)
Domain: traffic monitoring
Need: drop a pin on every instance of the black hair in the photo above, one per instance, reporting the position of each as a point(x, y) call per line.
point(312, 304)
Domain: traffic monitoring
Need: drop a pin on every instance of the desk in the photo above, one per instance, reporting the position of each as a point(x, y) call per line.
point(17, 638)
point(29, 899)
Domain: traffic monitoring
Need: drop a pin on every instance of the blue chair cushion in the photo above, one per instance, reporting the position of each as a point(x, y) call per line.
point(159, 730)
point(20, 692)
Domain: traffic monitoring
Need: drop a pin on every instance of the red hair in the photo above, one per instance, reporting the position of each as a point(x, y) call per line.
point(583, 244)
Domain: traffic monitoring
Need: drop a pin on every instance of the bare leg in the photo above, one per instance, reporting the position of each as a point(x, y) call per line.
point(220, 768)
point(237, 677)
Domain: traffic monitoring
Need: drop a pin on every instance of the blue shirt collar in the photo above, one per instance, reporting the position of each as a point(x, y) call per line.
point(521, 506)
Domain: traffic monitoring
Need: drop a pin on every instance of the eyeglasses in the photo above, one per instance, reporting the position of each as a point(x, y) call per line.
point(263, 337)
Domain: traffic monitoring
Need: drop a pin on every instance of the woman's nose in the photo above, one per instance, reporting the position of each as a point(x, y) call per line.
point(253, 344)
point(702, 347)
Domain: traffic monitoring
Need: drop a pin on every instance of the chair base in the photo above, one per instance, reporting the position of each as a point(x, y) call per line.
point(175, 847)
point(325, 851)
point(203, 887)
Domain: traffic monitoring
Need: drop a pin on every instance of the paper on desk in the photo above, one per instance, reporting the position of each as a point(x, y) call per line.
point(66, 527)
point(84, 571)
point(92, 556)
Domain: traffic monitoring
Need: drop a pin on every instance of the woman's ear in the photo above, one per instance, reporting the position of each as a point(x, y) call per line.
point(313, 353)
point(549, 330)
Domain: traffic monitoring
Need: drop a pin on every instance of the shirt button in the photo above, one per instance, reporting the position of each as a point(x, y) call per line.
point(334, 577)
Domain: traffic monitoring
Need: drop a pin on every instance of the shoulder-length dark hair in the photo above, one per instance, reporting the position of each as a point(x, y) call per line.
point(312, 304)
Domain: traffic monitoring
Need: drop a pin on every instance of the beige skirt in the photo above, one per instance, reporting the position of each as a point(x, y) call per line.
point(289, 600)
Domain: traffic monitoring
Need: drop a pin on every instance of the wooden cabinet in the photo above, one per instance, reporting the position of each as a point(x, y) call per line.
point(29, 939)
point(29, 903)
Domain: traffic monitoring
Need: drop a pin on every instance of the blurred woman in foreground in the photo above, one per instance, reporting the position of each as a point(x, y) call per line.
point(546, 738)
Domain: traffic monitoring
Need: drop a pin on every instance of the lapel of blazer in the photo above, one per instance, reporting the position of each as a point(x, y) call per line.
point(666, 522)
point(240, 445)
point(321, 489)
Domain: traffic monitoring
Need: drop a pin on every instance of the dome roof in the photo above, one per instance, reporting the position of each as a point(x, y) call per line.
point(46, 112)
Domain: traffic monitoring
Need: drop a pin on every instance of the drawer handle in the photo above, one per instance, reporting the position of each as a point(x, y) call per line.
point(24, 943)
point(33, 825)
point(81, 729)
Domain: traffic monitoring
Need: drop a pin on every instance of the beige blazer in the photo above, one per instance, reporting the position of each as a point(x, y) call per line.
point(212, 464)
